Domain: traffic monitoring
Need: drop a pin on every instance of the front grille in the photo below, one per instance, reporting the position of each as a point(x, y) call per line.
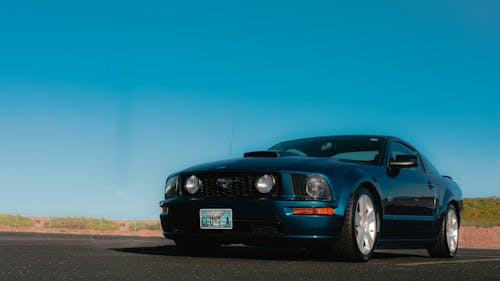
point(232, 185)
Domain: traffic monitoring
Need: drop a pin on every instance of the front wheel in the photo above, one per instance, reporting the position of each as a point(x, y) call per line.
point(361, 226)
point(446, 244)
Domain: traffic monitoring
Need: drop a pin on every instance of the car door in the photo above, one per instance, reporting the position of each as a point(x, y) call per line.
point(409, 199)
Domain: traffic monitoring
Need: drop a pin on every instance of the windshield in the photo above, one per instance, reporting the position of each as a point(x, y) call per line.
point(350, 148)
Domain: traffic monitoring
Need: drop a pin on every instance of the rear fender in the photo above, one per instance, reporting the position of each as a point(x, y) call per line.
point(448, 198)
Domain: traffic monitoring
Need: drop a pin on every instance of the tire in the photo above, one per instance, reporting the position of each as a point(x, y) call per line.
point(196, 247)
point(446, 244)
point(360, 232)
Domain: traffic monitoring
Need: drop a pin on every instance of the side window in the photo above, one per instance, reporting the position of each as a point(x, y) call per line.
point(401, 149)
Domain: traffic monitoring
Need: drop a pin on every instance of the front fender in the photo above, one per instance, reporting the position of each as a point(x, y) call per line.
point(353, 179)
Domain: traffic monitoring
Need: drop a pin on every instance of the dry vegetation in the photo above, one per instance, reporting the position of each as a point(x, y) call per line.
point(77, 223)
point(483, 212)
point(12, 221)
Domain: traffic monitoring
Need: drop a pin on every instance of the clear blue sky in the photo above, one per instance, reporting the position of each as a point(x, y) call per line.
point(101, 100)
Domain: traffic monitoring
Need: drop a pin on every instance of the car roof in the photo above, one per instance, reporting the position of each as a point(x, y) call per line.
point(332, 136)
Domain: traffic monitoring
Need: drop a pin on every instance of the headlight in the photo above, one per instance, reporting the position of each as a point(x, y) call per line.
point(265, 183)
point(317, 187)
point(193, 184)
point(171, 189)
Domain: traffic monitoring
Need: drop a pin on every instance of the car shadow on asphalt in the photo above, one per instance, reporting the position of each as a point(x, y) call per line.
point(251, 252)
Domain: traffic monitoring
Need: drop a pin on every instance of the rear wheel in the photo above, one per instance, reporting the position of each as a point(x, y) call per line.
point(361, 226)
point(446, 244)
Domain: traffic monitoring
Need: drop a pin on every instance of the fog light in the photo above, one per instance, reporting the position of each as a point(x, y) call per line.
point(314, 211)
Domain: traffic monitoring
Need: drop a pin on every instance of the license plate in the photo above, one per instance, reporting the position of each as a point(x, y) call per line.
point(216, 218)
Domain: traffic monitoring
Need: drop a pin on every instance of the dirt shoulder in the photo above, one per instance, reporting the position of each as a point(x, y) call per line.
point(480, 237)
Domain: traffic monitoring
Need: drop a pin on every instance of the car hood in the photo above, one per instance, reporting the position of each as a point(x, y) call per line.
point(260, 164)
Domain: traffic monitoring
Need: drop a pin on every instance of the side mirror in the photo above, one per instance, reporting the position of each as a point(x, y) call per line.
point(404, 161)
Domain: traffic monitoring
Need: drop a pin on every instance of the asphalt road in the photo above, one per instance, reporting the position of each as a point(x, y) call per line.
point(83, 257)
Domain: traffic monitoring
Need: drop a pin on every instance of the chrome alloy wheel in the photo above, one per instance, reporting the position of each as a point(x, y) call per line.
point(452, 230)
point(365, 224)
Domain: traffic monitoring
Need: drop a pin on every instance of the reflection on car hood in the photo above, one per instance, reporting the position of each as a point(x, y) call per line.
point(258, 164)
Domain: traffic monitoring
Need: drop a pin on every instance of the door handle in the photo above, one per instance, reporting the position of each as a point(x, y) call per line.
point(430, 185)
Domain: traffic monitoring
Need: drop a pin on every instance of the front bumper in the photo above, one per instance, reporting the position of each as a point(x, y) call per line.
point(255, 221)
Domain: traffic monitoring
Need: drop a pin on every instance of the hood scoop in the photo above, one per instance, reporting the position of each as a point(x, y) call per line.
point(268, 154)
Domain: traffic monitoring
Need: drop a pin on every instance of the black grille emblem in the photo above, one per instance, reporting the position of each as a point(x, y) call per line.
point(225, 183)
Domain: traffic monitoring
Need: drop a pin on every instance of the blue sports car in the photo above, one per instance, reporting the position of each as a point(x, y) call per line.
point(342, 195)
